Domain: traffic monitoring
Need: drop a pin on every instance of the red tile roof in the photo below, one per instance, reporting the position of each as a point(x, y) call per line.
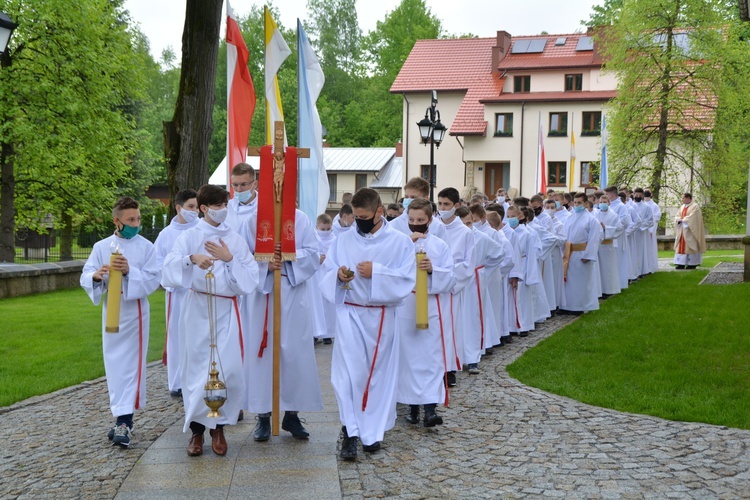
point(553, 56)
point(598, 95)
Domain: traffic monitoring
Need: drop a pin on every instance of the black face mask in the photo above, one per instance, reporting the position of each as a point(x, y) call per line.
point(389, 218)
point(566, 206)
point(638, 199)
point(418, 228)
point(366, 225)
point(537, 210)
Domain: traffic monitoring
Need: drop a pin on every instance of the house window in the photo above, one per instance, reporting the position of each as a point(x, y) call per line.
point(592, 123)
point(331, 188)
point(573, 82)
point(504, 124)
point(522, 83)
point(558, 123)
point(557, 173)
point(360, 181)
point(589, 173)
point(425, 173)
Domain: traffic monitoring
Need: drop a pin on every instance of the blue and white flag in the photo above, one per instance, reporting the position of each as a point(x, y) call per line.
point(603, 166)
point(313, 181)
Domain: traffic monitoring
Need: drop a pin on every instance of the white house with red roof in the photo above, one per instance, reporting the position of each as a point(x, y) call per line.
point(493, 95)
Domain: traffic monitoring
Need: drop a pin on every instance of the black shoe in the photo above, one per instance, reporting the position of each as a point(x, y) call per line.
point(291, 423)
point(371, 448)
point(679, 266)
point(507, 340)
point(514, 334)
point(451, 378)
point(348, 446)
point(241, 416)
point(489, 351)
point(691, 267)
point(176, 394)
point(327, 341)
point(432, 419)
point(413, 416)
point(473, 368)
point(111, 433)
point(523, 334)
point(262, 430)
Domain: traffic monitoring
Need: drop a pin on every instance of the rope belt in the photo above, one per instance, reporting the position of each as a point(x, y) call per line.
point(375, 354)
point(236, 311)
point(578, 247)
point(607, 241)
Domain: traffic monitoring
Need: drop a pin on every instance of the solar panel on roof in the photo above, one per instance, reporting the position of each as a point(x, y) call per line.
point(520, 46)
point(536, 46)
point(561, 41)
point(585, 43)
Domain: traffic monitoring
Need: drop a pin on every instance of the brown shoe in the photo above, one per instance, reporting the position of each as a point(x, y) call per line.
point(195, 446)
point(218, 443)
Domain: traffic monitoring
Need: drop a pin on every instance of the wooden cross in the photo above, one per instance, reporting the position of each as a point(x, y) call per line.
point(278, 183)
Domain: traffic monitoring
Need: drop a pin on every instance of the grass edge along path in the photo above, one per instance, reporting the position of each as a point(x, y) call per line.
point(665, 347)
point(53, 340)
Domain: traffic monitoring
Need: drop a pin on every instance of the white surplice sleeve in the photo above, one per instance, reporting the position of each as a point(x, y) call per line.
point(392, 283)
point(308, 252)
point(177, 270)
point(142, 280)
point(94, 289)
point(442, 279)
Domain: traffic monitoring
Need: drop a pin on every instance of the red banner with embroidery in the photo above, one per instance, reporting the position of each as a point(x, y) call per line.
point(289, 205)
point(283, 178)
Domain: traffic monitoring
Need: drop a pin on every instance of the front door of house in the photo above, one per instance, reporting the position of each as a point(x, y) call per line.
point(494, 177)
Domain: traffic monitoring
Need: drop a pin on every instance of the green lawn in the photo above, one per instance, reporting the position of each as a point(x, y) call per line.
point(53, 340)
point(665, 347)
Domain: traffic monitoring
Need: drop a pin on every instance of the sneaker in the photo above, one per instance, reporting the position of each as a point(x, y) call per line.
point(473, 368)
point(122, 436)
point(451, 379)
point(111, 433)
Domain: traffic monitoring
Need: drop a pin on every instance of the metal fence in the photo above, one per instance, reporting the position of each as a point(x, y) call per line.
point(34, 248)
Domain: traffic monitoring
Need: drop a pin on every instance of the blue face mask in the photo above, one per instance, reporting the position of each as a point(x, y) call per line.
point(557, 205)
point(244, 196)
point(129, 232)
point(603, 207)
point(578, 209)
point(513, 222)
point(406, 202)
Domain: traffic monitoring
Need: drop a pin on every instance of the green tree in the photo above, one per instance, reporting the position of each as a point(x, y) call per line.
point(671, 58)
point(68, 92)
point(605, 14)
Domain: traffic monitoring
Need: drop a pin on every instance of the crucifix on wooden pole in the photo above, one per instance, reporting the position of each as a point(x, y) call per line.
point(284, 202)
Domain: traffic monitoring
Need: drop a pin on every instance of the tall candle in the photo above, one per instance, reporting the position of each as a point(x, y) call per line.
point(114, 289)
point(421, 292)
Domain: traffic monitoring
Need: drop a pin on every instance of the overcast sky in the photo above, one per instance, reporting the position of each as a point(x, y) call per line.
point(162, 20)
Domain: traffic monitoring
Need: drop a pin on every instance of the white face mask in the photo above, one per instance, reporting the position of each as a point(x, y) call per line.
point(501, 199)
point(188, 215)
point(447, 214)
point(550, 212)
point(324, 233)
point(218, 216)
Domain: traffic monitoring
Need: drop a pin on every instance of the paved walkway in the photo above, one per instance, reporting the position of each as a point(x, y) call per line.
point(500, 439)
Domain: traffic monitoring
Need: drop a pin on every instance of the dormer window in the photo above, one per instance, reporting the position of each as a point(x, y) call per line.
point(574, 83)
point(522, 83)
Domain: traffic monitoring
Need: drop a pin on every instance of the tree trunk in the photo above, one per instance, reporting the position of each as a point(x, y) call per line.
point(188, 135)
point(661, 149)
point(7, 200)
point(66, 237)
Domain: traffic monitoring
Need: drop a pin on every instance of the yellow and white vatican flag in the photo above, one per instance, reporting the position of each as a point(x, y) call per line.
point(277, 51)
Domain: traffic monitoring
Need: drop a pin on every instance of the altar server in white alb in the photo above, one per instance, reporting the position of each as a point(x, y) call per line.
point(421, 375)
point(210, 245)
point(461, 242)
point(299, 389)
point(324, 313)
point(526, 277)
point(652, 249)
point(245, 199)
point(582, 280)
point(416, 188)
point(364, 367)
point(124, 351)
point(611, 231)
point(186, 206)
point(621, 242)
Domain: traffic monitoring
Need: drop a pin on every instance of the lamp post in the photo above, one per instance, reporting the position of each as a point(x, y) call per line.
point(6, 29)
point(433, 131)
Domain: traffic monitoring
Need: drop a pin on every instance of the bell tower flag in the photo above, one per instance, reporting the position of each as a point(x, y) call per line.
point(276, 52)
point(240, 96)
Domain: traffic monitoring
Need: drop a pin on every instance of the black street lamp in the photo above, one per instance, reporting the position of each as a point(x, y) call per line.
point(432, 131)
point(6, 29)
